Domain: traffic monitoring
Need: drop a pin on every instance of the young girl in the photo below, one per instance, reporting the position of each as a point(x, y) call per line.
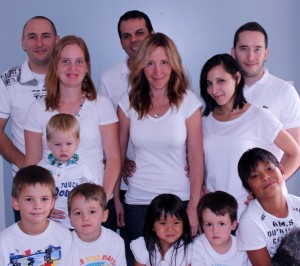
point(167, 234)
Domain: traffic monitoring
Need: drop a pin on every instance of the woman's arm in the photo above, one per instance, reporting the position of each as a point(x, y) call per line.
point(195, 159)
point(111, 148)
point(259, 257)
point(33, 147)
point(291, 158)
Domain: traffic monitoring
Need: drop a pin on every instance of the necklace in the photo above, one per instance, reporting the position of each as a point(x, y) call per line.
point(156, 115)
point(81, 104)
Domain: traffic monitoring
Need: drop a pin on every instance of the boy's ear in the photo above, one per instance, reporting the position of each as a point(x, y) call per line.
point(105, 215)
point(234, 225)
point(282, 170)
point(77, 142)
point(15, 204)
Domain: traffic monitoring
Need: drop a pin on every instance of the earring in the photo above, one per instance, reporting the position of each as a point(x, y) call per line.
point(85, 83)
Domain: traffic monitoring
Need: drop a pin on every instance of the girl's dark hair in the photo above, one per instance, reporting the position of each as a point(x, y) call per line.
point(249, 161)
point(166, 205)
point(231, 67)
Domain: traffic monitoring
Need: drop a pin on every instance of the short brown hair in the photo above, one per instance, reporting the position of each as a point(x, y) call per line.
point(89, 191)
point(30, 176)
point(63, 123)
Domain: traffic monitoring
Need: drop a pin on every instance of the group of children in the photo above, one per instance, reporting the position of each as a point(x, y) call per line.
point(80, 205)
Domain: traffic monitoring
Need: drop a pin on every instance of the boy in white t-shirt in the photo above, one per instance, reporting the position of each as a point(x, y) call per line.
point(272, 214)
point(63, 138)
point(96, 244)
point(217, 213)
point(35, 240)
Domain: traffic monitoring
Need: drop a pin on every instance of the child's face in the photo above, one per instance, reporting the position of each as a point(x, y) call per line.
point(217, 230)
point(168, 230)
point(35, 204)
point(266, 181)
point(63, 146)
point(87, 216)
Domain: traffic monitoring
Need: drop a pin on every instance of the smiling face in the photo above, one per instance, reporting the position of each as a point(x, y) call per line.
point(133, 32)
point(63, 145)
point(251, 53)
point(87, 216)
point(266, 181)
point(158, 69)
point(168, 230)
point(221, 86)
point(72, 66)
point(217, 230)
point(34, 203)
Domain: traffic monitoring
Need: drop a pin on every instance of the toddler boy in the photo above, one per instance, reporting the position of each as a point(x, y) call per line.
point(217, 213)
point(271, 214)
point(63, 137)
point(35, 240)
point(96, 244)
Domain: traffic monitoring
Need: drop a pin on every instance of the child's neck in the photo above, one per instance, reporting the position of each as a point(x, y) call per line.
point(91, 237)
point(225, 247)
point(164, 249)
point(276, 206)
point(33, 230)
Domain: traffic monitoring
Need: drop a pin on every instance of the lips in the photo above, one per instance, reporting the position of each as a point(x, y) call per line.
point(268, 185)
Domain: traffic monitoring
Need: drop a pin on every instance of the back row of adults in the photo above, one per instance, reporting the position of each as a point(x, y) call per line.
point(157, 112)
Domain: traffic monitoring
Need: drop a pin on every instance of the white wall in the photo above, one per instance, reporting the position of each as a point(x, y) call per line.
point(200, 28)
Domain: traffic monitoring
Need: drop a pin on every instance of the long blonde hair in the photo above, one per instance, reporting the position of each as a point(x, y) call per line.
point(139, 95)
point(52, 80)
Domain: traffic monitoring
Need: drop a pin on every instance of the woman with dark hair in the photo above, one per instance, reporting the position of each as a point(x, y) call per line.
point(162, 117)
point(231, 126)
point(70, 90)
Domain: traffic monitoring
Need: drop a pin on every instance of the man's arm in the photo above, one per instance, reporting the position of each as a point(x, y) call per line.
point(7, 149)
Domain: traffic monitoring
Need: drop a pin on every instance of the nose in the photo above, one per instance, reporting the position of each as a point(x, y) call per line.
point(39, 41)
point(251, 54)
point(64, 147)
point(36, 204)
point(133, 38)
point(84, 216)
point(215, 228)
point(265, 177)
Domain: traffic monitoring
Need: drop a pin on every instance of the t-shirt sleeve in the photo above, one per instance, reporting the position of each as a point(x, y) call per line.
point(290, 116)
point(270, 126)
point(124, 104)
point(250, 235)
point(107, 112)
point(33, 121)
point(5, 101)
point(138, 248)
point(190, 104)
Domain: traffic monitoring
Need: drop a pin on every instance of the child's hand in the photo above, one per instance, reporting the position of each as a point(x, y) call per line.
point(120, 213)
point(57, 214)
point(249, 198)
point(193, 218)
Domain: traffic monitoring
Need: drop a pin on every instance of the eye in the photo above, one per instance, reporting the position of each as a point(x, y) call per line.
point(140, 33)
point(79, 61)
point(253, 176)
point(150, 64)
point(69, 144)
point(208, 83)
point(125, 36)
point(57, 144)
point(45, 199)
point(222, 224)
point(28, 199)
point(65, 61)
point(46, 36)
point(220, 81)
point(77, 213)
point(208, 225)
point(165, 62)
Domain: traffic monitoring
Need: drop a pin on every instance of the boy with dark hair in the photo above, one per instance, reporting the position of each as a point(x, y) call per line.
point(35, 239)
point(96, 244)
point(271, 214)
point(217, 214)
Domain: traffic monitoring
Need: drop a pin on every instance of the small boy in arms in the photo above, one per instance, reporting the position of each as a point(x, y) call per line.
point(271, 214)
point(63, 137)
point(35, 240)
point(96, 244)
point(217, 214)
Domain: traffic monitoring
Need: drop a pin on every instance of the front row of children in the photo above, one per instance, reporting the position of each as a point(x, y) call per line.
point(166, 240)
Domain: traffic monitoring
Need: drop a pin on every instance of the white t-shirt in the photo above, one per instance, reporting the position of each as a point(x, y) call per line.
point(55, 243)
point(280, 97)
point(92, 115)
point(19, 88)
point(67, 176)
point(205, 255)
point(225, 142)
point(258, 228)
point(113, 84)
point(160, 148)
point(141, 254)
point(107, 250)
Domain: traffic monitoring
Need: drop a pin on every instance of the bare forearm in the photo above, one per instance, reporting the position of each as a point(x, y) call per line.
point(111, 175)
point(10, 152)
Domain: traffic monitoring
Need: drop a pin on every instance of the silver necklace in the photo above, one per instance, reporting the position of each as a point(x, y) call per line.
point(156, 115)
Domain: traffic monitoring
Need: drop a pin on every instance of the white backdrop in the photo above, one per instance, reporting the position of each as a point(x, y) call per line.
point(200, 28)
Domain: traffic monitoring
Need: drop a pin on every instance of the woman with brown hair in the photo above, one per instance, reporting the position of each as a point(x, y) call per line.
point(162, 117)
point(70, 90)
